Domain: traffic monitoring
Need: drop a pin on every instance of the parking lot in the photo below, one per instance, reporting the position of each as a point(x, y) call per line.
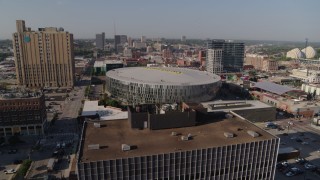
point(299, 135)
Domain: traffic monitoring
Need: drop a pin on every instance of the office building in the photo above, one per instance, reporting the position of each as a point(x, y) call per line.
point(261, 62)
point(100, 39)
point(43, 58)
point(119, 41)
point(130, 42)
point(143, 39)
point(230, 148)
point(183, 38)
point(214, 61)
point(22, 112)
point(232, 54)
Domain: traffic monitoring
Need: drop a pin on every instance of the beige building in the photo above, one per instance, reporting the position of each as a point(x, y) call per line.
point(261, 63)
point(43, 58)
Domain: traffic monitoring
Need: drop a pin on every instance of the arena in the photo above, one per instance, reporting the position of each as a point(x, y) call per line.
point(145, 85)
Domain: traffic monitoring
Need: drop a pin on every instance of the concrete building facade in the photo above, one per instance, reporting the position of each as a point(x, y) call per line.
point(100, 39)
point(214, 61)
point(22, 112)
point(210, 152)
point(43, 58)
point(232, 54)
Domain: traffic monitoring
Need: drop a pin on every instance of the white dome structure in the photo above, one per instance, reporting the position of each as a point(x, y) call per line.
point(295, 53)
point(309, 52)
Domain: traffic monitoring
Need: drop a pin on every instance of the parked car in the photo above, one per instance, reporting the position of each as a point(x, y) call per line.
point(10, 171)
point(309, 166)
point(301, 160)
point(298, 140)
point(304, 143)
point(294, 171)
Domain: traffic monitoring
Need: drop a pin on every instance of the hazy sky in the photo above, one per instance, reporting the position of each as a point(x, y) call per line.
point(290, 20)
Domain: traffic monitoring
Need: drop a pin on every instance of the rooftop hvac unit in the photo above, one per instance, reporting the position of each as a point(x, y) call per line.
point(125, 147)
point(253, 134)
point(228, 135)
point(174, 133)
point(97, 125)
point(93, 146)
point(184, 138)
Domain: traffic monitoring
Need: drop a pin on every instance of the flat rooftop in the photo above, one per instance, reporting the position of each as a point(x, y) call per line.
point(163, 75)
point(113, 134)
point(91, 108)
point(226, 106)
point(19, 93)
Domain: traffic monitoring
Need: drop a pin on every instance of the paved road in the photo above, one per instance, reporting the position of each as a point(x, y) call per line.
point(301, 130)
point(65, 129)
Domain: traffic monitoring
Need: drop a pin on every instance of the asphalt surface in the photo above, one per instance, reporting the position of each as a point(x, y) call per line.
point(310, 137)
point(64, 130)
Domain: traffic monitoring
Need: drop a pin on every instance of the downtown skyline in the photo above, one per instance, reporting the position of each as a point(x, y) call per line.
point(240, 20)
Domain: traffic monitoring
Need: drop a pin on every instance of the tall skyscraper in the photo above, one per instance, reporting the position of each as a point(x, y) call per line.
point(100, 38)
point(143, 39)
point(183, 38)
point(232, 54)
point(214, 61)
point(43, 58)
point(119, 41)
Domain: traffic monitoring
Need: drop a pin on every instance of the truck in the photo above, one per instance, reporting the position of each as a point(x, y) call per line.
point(50, 165)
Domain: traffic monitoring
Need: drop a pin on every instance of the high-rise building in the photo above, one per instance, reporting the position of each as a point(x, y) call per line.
point(130, 42)
point(43, 58)
point(214, 61)
point(143, 39)
point(232, 54)
point(22, 112)
point(100, 39)
point(183, 38)
point(119, 41)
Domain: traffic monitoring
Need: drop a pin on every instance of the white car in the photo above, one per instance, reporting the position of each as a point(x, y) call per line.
point(10, 171)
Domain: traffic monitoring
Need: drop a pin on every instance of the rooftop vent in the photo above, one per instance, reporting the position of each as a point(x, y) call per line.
point(228, 135)
point(93, 146)
point(174, 133)
point(186, 138)
point(253, 133)
point(125, 147)
point(97, 125)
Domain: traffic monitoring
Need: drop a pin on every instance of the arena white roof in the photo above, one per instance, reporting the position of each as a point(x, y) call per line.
point(163, 75)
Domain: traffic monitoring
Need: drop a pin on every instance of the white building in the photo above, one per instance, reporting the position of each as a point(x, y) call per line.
point(309, 52)
point(143, 39)
point(295, 54)
point(305, 75)
point(214, 61)
point(139, 45)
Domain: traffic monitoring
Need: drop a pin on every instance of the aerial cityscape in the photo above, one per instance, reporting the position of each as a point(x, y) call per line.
point(159, 90)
